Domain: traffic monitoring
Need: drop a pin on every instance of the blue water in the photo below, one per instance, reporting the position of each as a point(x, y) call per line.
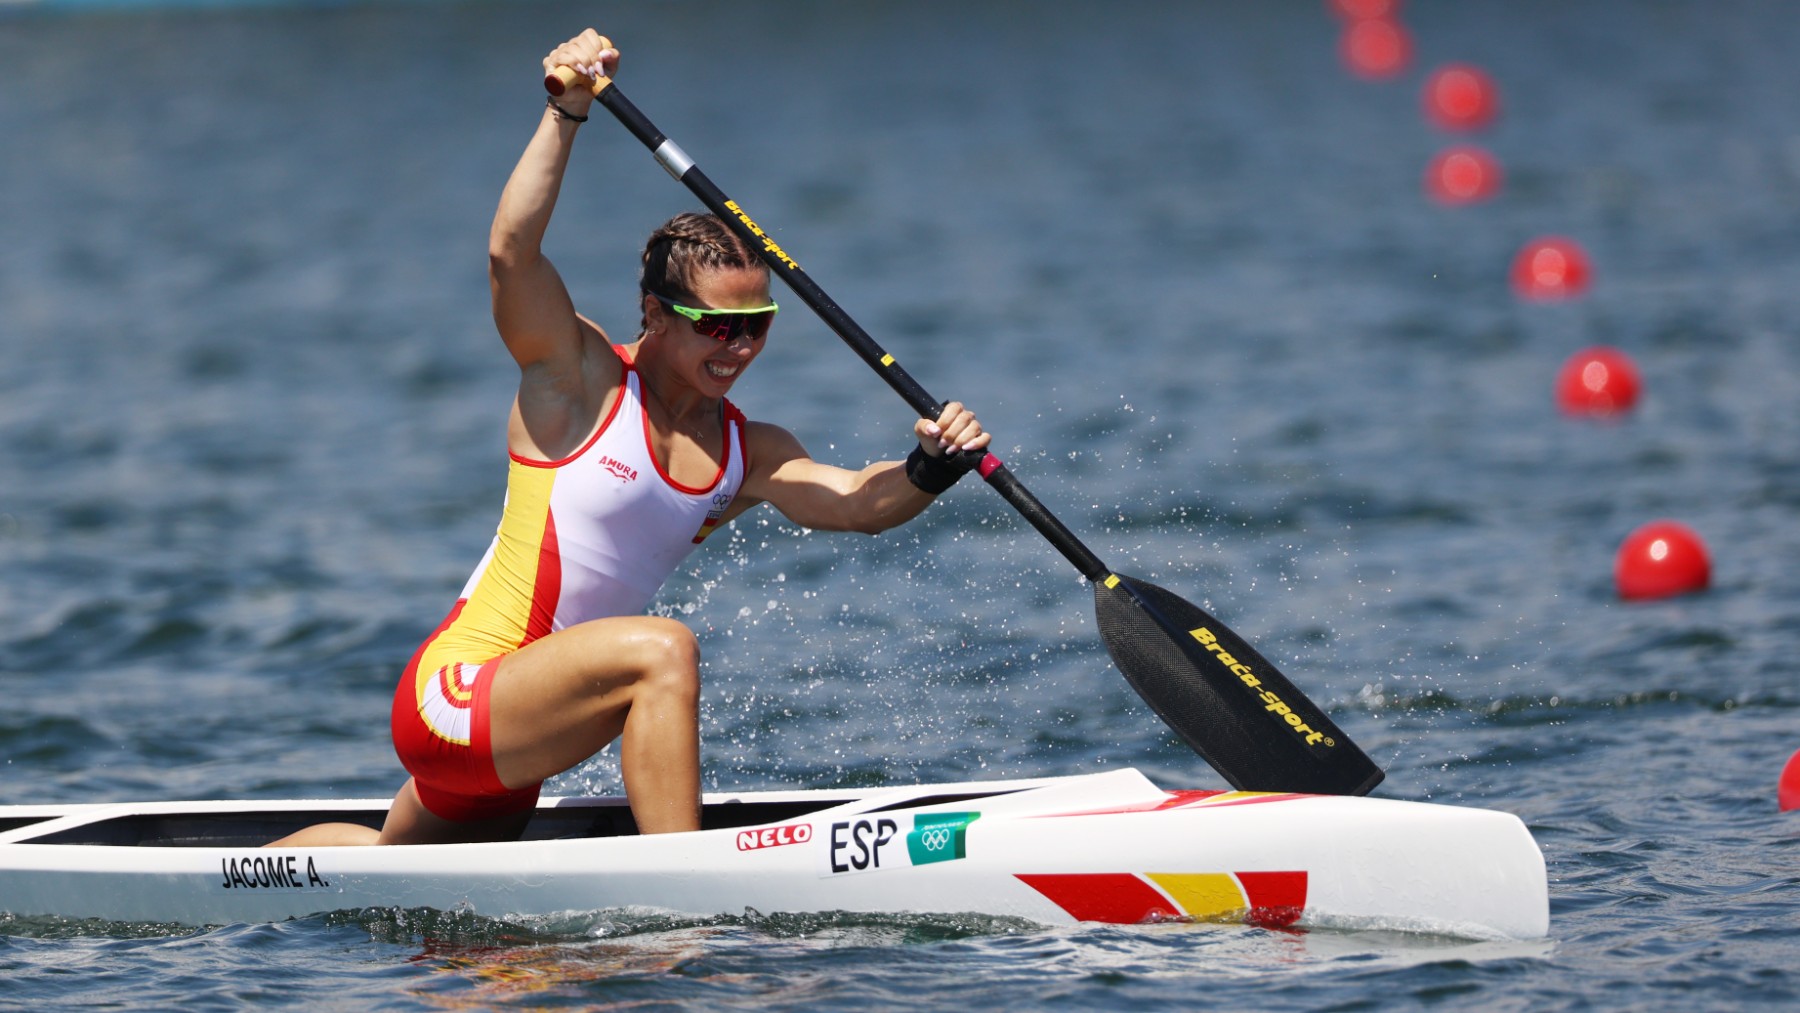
point(251, 443)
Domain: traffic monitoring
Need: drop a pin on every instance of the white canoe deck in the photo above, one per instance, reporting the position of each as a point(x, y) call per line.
point(1096, 847)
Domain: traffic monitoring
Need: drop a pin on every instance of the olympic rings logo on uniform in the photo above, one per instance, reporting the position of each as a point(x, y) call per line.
point(935, 839)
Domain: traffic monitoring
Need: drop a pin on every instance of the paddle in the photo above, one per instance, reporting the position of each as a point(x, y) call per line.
point(1226, 700)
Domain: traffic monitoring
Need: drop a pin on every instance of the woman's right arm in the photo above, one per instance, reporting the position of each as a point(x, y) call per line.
point(532, 308)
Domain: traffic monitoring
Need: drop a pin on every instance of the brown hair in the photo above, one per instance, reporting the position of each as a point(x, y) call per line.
point(683, 247)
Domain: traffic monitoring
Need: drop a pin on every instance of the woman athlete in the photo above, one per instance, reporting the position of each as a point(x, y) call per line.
point(623, 458)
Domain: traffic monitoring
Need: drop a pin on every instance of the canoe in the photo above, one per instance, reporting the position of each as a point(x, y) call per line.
point(1102, 847)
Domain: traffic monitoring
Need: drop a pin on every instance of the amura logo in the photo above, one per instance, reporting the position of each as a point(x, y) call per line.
point(625, 472)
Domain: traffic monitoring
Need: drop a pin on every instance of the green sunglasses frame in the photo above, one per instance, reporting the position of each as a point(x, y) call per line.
point(733, 328)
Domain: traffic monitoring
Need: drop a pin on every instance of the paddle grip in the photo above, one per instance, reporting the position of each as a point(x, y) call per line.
point(561, 79)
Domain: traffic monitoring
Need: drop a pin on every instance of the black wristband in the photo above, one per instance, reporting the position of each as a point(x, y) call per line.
point(931, 474)
point(564, 113)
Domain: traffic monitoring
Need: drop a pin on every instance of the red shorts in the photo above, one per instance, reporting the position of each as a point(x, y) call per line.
point(440, 728)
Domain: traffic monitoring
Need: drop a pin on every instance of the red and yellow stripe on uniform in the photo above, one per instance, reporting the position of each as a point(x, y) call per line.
point(706, 529)
point(512, 604)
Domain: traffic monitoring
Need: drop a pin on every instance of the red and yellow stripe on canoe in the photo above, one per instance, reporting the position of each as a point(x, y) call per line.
point(1270, 899)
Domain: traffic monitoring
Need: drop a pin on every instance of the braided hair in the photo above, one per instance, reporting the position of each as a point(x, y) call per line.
point(685, 246)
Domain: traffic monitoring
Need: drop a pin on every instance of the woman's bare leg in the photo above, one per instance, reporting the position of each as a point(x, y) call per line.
point(562, 698)
point(409, 822)
point(558, 701)
point(328, 835)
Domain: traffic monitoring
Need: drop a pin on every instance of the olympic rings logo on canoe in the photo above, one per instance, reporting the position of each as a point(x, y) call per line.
point(936, 838)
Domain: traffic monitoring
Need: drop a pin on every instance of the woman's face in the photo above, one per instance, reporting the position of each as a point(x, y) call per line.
point(711, 365)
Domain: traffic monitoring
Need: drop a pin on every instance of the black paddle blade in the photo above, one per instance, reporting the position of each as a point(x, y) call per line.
point(1239, 713)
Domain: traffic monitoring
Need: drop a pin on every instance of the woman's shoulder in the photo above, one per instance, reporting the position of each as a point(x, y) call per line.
point(760, 432)
point(768, 446)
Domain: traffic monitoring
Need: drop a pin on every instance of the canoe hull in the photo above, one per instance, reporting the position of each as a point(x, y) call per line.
point(1104, 847)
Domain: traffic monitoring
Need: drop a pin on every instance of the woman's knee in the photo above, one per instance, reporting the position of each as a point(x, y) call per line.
point(672, 664)
point(669, 644)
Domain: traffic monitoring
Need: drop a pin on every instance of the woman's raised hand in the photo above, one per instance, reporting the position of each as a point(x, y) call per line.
point(589, 54)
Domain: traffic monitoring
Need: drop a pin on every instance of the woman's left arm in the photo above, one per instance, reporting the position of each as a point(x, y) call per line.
point(883, 495)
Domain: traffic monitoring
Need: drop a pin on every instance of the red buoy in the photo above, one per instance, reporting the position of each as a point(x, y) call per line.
point(1460, 96)
point(1597, 381)
point(1787, 793)
point(1462, 175)
point(1375, 47)
point(1550, 268)
point(1661, 559)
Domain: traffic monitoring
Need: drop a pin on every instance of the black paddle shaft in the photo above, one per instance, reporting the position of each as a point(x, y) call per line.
point(1227, 701)
point(991, 468)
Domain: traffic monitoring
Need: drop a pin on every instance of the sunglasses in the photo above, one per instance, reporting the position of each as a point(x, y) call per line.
point(724, 325)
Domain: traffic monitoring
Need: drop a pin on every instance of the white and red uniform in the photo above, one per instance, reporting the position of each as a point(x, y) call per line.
point(592, 535)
